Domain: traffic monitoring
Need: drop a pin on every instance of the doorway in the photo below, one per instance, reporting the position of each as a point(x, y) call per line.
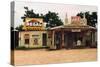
point(57, 40)
point(71, 38)
point(68, 40)
point(44, 39)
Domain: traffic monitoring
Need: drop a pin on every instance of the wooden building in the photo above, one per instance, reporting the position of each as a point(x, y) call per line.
point(34, 34)
point(75, 34)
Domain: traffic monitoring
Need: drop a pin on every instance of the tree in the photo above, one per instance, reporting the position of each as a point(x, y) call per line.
point(80, 14)
point(19, 28)
point(94, 18)
point(51, 18)
point(30, 14)
point(91, 18)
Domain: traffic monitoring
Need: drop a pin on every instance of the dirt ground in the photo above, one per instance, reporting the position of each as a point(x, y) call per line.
point(42, 56)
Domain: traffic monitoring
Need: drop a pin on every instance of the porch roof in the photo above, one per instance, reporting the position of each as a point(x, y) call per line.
point(71, 26)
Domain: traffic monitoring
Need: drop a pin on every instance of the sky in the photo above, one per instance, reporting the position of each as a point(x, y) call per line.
point(43, 8)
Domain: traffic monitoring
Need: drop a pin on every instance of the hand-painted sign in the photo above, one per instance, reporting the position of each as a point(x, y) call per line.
point(75, 19)
point(76, 30)
point(33, 24)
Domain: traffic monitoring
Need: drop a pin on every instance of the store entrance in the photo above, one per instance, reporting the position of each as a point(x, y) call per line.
point(44, 39)
point(71, 39)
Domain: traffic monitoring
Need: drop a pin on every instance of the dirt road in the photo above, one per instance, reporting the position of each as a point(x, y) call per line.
point(42, 56)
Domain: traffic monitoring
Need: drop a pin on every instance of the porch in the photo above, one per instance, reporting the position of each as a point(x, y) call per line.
point(71, 37)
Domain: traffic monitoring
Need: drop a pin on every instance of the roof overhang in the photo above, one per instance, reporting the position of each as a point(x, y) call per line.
point(70, 27)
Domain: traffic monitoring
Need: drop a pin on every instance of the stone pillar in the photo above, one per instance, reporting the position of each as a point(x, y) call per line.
point(62, 45)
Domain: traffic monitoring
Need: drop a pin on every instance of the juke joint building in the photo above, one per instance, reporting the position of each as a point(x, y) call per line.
point(70, 35)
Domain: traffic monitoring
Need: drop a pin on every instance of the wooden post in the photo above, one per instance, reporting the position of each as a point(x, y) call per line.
point(93, 38)
point(52, 39)
point(62, 45)
point(83, 38)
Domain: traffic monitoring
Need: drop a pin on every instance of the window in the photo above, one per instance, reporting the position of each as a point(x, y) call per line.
point(26, 41)
point(44, 39)
point(36, 41)
point(26, 37)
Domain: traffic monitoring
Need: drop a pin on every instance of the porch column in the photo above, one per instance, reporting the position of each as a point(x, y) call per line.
point(93, 38)
point(53, 38)
point(62, 45)
point(84, 39)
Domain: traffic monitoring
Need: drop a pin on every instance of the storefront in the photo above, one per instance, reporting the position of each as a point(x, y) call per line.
point(32, 39)
point(75, 34)
point(72, 35)
point(34, 34)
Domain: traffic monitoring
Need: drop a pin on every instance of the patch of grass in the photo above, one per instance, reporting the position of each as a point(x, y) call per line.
point(24, 48)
